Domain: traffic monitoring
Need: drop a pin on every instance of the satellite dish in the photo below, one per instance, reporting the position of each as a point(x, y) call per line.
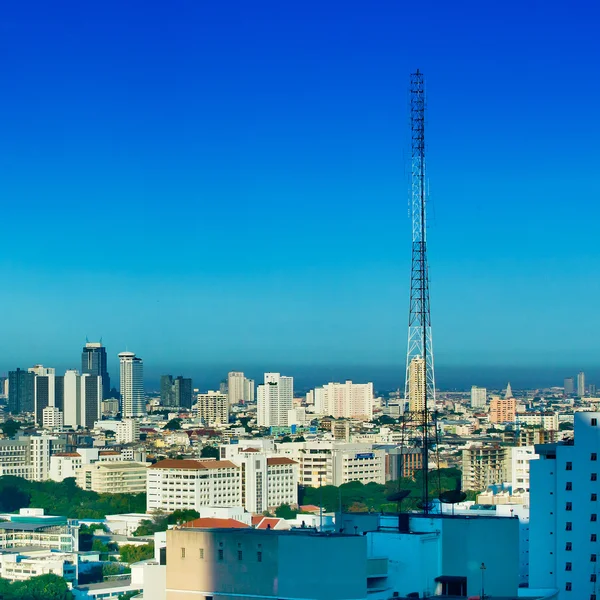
point(398, 496)
point(452, 497)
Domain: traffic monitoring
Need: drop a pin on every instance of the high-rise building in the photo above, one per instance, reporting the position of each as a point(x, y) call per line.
point(20, 391)
point(416, 388)
point(213, 408)
point(249, 390)
point(478, 397)
point(503, 410)
point(581, 384)
point(132, 385)
point(239, 388)
point(569, 387)
point(348, 400)
point(592, 389)
point(4, 387)
point(182, 387)
point(48, 390)
point(564, 496)
point(275, 398)
point(93, 362)
point(167, 396)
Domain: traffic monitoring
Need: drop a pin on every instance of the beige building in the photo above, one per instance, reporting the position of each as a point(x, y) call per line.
point(416, 375)
point(484, 465)
point(231, 564)
point(118, 477)
point(503, 410)
point(213, 407)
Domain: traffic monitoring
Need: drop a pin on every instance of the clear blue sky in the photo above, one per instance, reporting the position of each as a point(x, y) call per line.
point(225, 183)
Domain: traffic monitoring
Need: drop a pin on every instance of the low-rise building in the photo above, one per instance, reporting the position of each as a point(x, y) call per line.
point(23, 564)
point(122, 477)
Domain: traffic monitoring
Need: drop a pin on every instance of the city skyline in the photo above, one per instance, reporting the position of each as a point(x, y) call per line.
point(201, 143)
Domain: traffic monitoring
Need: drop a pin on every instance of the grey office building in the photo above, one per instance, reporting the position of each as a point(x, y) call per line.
point(20, 391)
point(93, 362)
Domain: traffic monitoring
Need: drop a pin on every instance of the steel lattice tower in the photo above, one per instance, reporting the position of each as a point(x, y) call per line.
point(420, 378)
point(420, 345)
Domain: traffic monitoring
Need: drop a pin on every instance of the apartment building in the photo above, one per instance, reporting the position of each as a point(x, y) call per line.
point(484, 465)
point(334, 463)
point(564, 522)
point(348, 400)
point(127, 431)
point(519, 473)
point(113, 477)
point(29, 456)
point(503, 410)
point(546, 420)
point(179, 484)
point(213, 407)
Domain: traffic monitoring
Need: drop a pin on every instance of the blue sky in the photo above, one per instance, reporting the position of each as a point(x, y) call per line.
point(225, 183)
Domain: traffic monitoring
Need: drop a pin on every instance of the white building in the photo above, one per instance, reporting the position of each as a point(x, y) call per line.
point(519, 475)
point(82, 399)
point(478, 397)
point(132, 385)
point(21, 565)
point(275, 398)
point(113, 477)
point(346, 400)
point(297, 416)
point(127, 431)
point(545, 420)
point(180, 484)
point(581, 384)
point(564, 525)
point(213, 407)
point(52, 418)
point(334, 463)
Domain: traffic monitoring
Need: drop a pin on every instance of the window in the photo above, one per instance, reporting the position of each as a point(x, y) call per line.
point(569, 526)
point(569, 506)
point(568, 586)
point(569, 486)
point(569, 466)
point(593, 537)
point(593, 577)
point(240, 556)
point(592, 558)
point(569, 566)
point(259, 556)
point(569, 546)
point(594, 456)
point(593, 517)
point(594, 497)
point(594, 422)
point(220, 554)
point(183, 553)
point(594, 477)
point(201, 552)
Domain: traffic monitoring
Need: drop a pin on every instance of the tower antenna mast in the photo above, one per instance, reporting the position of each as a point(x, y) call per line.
point(420, 378)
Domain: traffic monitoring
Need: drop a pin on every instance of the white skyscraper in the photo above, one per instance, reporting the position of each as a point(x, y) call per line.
point(581, 384)
point(345, 400)
point(275, 398)
point(82, 400)
point(132, 385)
point(478, 397)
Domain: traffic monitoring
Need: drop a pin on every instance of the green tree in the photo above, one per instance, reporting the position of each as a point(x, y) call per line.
point(300, 438)
point(173, 425)
point(131, 553)
point(182, 516)
point(209, 452)
point(286, 439)
point(285, 511)
point(159, 522)
point(10, 428)
point(41, 587)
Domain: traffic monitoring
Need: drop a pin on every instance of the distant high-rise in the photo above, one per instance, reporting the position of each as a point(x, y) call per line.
point(132, 385)
point(345, 400)
point(167, 395)
point(569, 387)
point(592, 390)
point(48, 390)
point(93, 362)
point(239, 388)
point(416, 387)
point(581, 384)
point(20, 391)
point(82, 399)
point(182, 387)
point(275, 398)
point(478, 397)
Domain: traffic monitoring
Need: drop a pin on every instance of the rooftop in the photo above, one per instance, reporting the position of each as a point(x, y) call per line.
point(195, 465)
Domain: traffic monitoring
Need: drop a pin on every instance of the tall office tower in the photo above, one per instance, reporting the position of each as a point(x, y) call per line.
point(249, 390)
point(236, 383)
point(569, 387)
point(275, 398)
point(91, 399)
point(132, 385)
point(182, 389)
point(581, 384)
point(21, 391)
point(345, 400)
point(416, 388)
point(48, 390)
point(93, 362)
point(167, 395)
point(478, 397)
